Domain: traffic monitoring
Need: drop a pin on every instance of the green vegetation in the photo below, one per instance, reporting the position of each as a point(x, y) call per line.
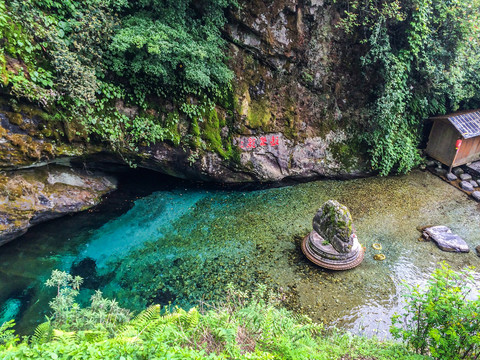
point(423, 54)
point(442, 321)
point(78, 59)
point(244, 326)
point(112, 65)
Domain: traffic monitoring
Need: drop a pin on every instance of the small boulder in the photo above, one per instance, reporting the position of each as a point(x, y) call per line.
point(476, 195)
point(465, 177)
point(457, 171)
point(445, 239)
point(440, 171)
point(465, 185)
point(473, 183)
point(451, 177)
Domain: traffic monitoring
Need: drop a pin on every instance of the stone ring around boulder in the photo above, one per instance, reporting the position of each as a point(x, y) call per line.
point(333, 243)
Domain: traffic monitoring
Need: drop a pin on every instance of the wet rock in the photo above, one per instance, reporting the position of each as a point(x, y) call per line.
point(476, 195)
point(457, 171)
point(465, 177)
point(465, 185)
point(27, 139)
point(473, 183)
point(445, 239)
point(451, 177)
point(440, 171)
point(29, 197)
point(278, 158)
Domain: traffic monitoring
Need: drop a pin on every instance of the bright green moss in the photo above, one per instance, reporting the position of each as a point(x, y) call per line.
point(259, 115)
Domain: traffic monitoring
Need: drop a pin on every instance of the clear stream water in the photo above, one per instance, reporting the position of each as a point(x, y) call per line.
point(160, 240)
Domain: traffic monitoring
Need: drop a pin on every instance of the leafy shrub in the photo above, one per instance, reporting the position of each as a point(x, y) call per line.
point(442, 320)
point(423, 55)
point(78, 58)
point(103, 314)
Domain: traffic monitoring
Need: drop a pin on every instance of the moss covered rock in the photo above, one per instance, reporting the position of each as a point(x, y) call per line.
point(29, 197)
point(334, 224)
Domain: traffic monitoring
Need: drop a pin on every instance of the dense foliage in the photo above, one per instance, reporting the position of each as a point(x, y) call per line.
point(245, 326)
point(442, 320)
point(88, 60)
point(423, 54)
point(79, 58)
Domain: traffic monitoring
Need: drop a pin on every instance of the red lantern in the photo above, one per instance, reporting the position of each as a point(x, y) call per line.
point(458, 144)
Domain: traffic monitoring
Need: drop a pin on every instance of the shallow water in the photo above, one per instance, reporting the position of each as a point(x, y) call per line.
point(183, 244)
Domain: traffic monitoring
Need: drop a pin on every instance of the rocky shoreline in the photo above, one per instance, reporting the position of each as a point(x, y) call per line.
point(31, 196)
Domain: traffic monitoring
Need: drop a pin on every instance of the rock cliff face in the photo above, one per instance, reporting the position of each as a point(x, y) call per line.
point(298, 95)
point(31, 196)
point(298, 79)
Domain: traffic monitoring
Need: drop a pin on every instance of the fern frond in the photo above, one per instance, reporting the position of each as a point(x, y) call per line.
point(190, 319)
point(63, 336)
point(91, 336)
point(42, 334)
point(144, 321)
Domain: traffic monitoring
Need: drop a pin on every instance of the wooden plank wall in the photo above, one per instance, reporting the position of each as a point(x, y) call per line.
point(468, 152)
point(441, 143)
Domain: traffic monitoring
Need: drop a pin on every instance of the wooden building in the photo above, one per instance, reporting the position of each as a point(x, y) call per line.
point(455, 138)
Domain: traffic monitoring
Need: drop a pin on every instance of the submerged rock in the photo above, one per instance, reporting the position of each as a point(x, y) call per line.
point(29, 197)
point(445, 239)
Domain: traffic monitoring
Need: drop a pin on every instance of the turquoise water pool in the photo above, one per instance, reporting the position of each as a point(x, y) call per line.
point(171, 242)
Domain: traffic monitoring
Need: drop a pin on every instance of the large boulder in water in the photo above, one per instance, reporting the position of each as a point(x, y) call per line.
point(334, 224)
point(445, 239)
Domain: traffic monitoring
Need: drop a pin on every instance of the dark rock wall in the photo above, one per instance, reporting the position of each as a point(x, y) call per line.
point(298, 77)
point(299, 101)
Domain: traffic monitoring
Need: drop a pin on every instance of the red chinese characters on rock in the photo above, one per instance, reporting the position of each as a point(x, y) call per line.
point(251, 142)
